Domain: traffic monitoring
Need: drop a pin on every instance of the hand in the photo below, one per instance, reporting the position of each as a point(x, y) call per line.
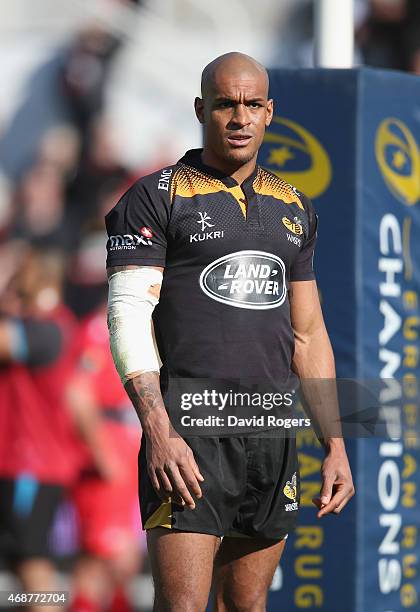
point(337, 486)
point(170, 461)
point(172, 469)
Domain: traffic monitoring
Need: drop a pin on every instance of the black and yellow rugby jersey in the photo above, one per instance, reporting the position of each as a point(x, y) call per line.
point(229, 253)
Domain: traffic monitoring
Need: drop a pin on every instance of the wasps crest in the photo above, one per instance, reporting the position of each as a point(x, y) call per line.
point(290, 488)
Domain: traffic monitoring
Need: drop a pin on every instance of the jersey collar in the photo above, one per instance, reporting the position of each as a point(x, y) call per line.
point(193, 158)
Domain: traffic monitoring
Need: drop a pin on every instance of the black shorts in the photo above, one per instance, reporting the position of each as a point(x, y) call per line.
point(251, 488)
point(27, 510)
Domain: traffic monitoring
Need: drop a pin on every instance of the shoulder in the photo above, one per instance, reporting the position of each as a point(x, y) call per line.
point(158, 182)
point(148, 194)
point(268, 183)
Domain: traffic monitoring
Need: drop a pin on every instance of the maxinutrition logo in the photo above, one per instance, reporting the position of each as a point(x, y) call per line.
point(129, 241)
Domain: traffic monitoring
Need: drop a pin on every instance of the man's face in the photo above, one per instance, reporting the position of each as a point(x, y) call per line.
point(235, 112)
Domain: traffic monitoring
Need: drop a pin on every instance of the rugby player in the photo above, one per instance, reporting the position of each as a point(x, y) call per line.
point(215, 227)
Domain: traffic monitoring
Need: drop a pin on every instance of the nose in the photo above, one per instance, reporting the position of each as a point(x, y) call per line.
point(240, 117)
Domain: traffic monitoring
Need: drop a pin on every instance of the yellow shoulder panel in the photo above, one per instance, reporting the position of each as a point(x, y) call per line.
point(268, 184)
point(188, 182)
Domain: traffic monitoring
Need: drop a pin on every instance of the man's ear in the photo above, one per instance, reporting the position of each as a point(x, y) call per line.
point(270, 109)
point(199, 109)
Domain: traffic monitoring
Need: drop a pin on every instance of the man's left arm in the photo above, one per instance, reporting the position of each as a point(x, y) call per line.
point(313, 362)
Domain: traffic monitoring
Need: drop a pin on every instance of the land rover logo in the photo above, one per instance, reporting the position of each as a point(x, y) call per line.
point(246, 279)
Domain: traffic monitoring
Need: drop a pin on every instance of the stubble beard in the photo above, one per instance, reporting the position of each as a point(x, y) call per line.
point(237, 159)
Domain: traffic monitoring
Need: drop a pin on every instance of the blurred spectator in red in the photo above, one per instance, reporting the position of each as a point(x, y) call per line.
point(390, 37)
point(37, 451)
point(105, 495)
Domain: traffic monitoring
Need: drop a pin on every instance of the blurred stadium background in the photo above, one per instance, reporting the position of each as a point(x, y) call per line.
point(94, 95)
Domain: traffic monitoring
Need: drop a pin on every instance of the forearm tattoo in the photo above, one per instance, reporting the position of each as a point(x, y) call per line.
point(144, 392)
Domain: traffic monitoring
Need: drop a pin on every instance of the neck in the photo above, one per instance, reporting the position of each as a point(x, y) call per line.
point(237, 171)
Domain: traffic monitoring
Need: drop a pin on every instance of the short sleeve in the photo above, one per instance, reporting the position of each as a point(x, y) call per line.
point(137, 226)
point(303, 266)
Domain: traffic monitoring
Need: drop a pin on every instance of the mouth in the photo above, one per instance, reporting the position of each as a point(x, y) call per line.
point(239, 140)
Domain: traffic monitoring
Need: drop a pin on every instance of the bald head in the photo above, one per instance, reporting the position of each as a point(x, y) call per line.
point(234, 110)
point(232, 65)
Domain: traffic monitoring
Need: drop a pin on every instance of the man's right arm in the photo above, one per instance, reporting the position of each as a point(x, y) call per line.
point(171, 464)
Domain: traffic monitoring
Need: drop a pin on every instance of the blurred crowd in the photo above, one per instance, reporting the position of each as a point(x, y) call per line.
point(387, 34)
point(390, 35)
point(68, 434)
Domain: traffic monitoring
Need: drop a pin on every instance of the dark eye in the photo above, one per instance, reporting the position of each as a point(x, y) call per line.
point(224, 104)
point(254, 104)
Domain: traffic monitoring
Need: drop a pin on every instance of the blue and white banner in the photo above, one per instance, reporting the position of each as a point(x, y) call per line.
point(350, 139)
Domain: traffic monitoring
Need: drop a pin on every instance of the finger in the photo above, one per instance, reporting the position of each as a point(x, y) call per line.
point(165, 484)
point(327, 509)
point(190, 480)
point(163, 495)
point(155, 481)
point(180, 487)
point(159, 486)
point(341, 506)
point(326, 489)
point(317, 501)
point(343, 503)
point(336, 500)
point(195, 467)
point(177, 500)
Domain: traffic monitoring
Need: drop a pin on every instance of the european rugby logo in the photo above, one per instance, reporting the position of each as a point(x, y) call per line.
point(297, 156)
point(246, 279)
point(398, 158)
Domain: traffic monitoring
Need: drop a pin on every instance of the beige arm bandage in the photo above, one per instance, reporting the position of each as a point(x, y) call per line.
point(131, 301)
